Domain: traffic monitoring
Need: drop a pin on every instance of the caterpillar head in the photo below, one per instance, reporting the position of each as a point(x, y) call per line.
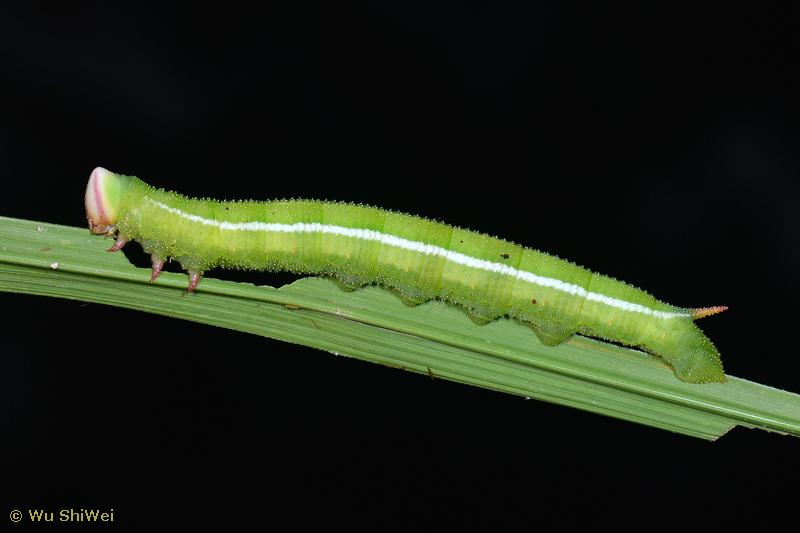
point(103, 195)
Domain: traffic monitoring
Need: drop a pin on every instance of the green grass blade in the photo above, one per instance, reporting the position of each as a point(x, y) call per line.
point(373, 324)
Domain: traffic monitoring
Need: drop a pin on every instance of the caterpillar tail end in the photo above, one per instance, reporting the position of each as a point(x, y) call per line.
point(706, 311)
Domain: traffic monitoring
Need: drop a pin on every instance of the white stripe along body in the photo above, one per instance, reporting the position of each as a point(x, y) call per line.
point(422, 259)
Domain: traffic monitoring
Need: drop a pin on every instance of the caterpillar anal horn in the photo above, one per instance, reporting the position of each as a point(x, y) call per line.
point(706, 311)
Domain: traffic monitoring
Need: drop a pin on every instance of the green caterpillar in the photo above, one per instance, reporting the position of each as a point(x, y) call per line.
point(420, 258)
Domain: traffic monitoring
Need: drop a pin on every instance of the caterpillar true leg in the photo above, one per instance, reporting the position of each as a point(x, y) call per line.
point(157, 265)
point(121, 241)
point(194, 278)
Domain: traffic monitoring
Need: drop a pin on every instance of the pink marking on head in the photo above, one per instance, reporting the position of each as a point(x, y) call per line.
point(706, 311)
point(98, 192)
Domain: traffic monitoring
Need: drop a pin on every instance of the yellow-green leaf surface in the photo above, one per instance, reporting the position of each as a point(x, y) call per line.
point(373, 324)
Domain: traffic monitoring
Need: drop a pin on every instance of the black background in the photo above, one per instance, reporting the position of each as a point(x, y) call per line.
point(656, 145)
